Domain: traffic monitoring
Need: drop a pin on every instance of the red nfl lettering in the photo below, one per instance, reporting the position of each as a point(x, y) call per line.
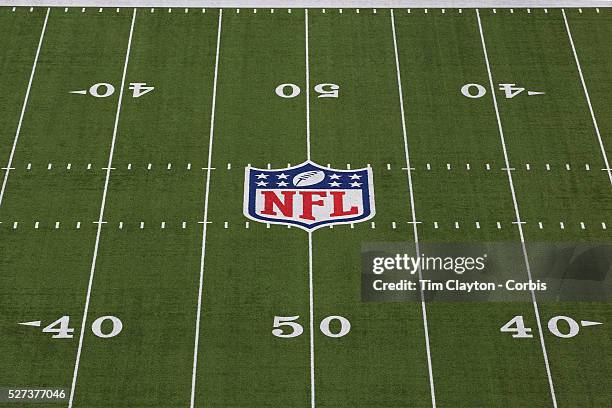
point(339, 205)
point(308, 202)
point(272, 200)
point(285, 204)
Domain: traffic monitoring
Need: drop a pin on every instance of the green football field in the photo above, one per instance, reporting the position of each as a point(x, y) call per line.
point(124, 137)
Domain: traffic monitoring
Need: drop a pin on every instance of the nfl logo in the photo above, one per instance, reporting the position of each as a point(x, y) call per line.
point(308, 195)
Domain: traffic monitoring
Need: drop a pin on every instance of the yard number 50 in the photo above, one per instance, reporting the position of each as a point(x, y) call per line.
point(287, 327)
point(288, 91)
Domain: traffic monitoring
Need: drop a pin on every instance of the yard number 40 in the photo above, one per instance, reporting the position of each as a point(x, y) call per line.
point(60, 329)
point(517, 327)
point(104, 90)
point(475, 91)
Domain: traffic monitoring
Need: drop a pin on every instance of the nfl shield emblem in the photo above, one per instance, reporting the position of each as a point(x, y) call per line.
point(308, 195)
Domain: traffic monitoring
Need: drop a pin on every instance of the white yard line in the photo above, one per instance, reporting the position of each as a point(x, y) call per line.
point(307, 88)
point(23, 108)
point(205, 223)
point(413, 210)
point(310, 284)
point(101, 215)
point(311, 323)
point(586, 94)
point(516, 211)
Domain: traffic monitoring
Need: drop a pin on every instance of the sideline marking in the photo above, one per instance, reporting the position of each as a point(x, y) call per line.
point(101, 216)
point(23, 107)
point(586, 94)
point(205, 223)
point(516, 209)
point(414, 221)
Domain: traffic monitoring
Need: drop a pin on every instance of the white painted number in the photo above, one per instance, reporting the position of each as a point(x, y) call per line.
point(101, 90)
point(104, 90)
point(140, 88)
point(511, 90)
point(553, 326)
point(295, 329)
point(60, 328)
point(467, 90)
point(294, 90)
point(475, 91)
point(345, 326)
point(327, 90)
point(96, 327)
point(517, 326)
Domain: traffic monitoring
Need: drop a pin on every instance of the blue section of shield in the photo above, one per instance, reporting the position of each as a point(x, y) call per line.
point(276, 178)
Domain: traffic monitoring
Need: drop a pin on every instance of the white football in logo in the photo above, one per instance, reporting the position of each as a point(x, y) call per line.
point(308, 178)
